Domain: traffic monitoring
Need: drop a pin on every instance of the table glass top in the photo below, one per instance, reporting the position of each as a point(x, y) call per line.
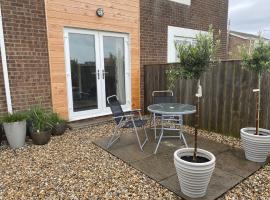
point(172, 108)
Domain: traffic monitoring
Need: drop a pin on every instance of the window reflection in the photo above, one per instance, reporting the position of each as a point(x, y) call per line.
point(83, 69)
point(114, 63)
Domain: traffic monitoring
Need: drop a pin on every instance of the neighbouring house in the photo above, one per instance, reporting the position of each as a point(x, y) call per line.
point(238, 39)
point(164, 22)
point(71, 55)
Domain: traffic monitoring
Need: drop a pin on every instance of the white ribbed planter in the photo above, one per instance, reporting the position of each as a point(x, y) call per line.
point(194, 177)
point(16, 133)
point(257, 147)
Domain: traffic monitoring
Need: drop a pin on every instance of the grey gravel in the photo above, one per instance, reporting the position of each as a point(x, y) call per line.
point(72, 167)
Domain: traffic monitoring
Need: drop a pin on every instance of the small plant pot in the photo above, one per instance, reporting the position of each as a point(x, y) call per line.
point(194, 177)
point(15, 133)
point(257, 147)
point(41, 138)
point(59, 129)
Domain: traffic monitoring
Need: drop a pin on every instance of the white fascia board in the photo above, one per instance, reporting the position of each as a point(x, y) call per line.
point(186, 2)
point(239, 36)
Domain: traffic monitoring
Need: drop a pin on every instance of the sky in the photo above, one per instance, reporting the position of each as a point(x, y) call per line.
point(250, 16)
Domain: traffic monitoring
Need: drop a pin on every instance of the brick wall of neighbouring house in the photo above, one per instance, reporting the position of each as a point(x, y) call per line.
point(24, 24)
point(234, 44)
point(157, 15)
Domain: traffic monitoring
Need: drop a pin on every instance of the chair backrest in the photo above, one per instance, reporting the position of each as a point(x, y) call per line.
point(115, 107)
point(164, 96)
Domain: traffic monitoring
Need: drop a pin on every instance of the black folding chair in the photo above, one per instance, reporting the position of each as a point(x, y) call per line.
point(125, 120)
point(163, 96)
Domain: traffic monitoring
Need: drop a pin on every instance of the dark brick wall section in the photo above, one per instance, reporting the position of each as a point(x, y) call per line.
point(235, 43)
point(157, 15)
point(24, 24)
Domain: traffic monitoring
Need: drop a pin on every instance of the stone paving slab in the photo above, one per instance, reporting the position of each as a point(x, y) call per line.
point(231, 166)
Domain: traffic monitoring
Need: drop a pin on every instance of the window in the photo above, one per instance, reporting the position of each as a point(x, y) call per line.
point(177, 35)
point(187, 2)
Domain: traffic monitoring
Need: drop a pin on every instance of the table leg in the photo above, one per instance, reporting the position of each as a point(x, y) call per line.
point(155, 126)
point(160, 136)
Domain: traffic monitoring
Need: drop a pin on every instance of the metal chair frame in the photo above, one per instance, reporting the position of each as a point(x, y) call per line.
point(124, 118)
point(177, 122)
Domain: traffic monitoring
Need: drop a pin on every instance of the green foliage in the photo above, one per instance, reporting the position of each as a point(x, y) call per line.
point(39, 118)
point(54, 119)
point(194, 58)
point(14, 117)
point(258, 60)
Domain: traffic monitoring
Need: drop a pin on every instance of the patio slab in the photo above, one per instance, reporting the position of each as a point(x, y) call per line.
point(231, 166)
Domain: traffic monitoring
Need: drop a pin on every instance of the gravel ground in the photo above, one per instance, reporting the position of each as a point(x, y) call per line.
point(71, 167)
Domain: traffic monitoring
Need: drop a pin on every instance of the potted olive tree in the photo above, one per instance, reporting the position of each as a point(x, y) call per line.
point(41, 127)
point(59, 125)
point(194, 166)
point(255, 140)
point(15, 129)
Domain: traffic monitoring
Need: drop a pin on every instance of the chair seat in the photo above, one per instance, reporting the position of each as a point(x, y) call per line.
point(137, 122)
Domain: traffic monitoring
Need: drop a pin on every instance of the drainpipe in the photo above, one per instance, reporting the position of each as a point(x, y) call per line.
point(4, 64)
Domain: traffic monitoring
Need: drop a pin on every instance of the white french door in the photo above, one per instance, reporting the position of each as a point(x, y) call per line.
point(97, 66)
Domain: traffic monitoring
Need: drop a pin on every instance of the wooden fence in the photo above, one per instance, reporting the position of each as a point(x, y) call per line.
point(228, 103)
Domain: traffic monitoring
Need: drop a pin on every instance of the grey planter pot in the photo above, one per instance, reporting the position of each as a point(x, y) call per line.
point(257, 147)
point(15, 133)
point(194, 177)
point(41, 138)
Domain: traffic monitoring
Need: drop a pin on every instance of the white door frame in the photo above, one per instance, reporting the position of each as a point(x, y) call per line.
point(127, 106)
point(101, 97)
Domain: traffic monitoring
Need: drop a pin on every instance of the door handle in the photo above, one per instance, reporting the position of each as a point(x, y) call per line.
point(98, 73)
point(103, 74)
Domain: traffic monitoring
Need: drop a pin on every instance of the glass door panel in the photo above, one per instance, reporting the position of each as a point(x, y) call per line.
point(114, 67)
point(83, 71)
point(97, 66)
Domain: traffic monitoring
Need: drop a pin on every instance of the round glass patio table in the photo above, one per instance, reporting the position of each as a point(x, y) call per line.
point(171, 109)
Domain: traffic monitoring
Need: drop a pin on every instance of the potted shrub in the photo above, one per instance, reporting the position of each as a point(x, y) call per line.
point(59, 125)
point(194, 166)
point(255, 140)
point(40, 130)
point(15, 129)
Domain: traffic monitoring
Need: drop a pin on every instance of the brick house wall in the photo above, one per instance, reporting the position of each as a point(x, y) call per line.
point(24, 24)
point(234, 44)
point(157, 15)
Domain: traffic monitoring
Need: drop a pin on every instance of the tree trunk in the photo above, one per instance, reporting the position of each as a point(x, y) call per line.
point(197, 123)
point(258, 105)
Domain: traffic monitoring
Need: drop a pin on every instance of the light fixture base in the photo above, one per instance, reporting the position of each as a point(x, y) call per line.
point(100, 12)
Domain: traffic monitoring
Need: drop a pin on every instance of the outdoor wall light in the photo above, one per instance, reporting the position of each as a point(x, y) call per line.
point(100, 12)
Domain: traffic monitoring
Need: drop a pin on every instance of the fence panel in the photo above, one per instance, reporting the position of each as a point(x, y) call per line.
point(228, 102)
